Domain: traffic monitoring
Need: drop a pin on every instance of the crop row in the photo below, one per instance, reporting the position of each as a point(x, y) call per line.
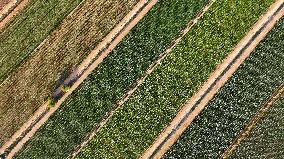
point(96, 96)
point(36, 78)
point(266, 139)
point(236, 103)
point(28, 29)
point(134, 127)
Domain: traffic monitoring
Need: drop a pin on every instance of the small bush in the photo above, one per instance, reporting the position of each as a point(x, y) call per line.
point(65, 88)
point(51, 102)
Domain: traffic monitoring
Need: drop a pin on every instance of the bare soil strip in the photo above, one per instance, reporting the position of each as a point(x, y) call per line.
point(10, 148)
point(217, 79)
point(138, 82)
point(258, 116)
point(3, 3)
point(10, 10)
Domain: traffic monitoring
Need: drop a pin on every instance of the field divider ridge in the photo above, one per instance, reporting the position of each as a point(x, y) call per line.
point(216, 80)
point(10, 10)
point(258, 116)
point(10, 148)
point(138, 82)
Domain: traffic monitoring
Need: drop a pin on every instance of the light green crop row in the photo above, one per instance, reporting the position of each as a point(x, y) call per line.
point(236, 103)
point(109, 82)
point(134, 127)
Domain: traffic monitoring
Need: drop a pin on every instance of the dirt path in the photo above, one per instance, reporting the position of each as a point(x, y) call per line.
point(3, 3)
point(10, 148)
point(266, 106)
point(216, 80)
point(10, 10)
point(138, 82)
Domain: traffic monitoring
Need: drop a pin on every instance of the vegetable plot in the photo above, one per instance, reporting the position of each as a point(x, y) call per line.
point(36, 78)
point(135, 126)
point(109, 82)
point(236, 103)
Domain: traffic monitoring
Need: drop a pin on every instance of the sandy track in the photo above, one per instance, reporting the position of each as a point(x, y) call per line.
point(245, 132)
point(216, 80)
point(10, 10)
point(86, 67)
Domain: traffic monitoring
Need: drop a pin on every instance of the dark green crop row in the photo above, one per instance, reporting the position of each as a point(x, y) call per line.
point(266, 139)
point(134, 127)
point(236, 103)
point(109, 82)
point(28, 29)
point(35, 79)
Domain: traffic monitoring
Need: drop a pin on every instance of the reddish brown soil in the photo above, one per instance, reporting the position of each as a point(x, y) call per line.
point(3, 3)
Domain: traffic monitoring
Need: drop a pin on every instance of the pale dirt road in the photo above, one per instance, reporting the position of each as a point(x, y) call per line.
point(217, 79)
point(85, 68)
point(12, 8)
point(258, 116)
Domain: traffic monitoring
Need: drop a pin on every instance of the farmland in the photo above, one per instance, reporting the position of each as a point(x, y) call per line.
point(266, 139)
point(35, 79)
point(134, 127)
point(236, 103)
point(109, 82)
point(28, 29)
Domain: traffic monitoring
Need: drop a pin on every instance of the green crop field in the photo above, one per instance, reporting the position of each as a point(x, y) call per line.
point(266, 139)
point(236, 103)
point(140, 82)
point(28, 29)
point(36, 78)
point(135, 126)
point(109, 82)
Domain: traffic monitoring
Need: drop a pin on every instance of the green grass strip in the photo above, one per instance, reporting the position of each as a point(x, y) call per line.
point(236, 103)
point(109, 82)
point(134, 127)
point(28, 29)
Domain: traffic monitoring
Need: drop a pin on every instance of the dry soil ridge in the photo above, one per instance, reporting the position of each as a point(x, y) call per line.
point(10, 10)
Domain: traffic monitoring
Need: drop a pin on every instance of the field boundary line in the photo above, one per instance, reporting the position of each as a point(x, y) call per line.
point(54, 30)
point(138, 82)
point(10, 10)
point(10, 148)
point(216, 80)
point(258, 116)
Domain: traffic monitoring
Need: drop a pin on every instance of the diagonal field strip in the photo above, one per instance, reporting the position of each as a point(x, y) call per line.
point(258, 116)
point(103, 49)
point(10, 10)
point(196, 104)
point(137, 83)
point(80, 30)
